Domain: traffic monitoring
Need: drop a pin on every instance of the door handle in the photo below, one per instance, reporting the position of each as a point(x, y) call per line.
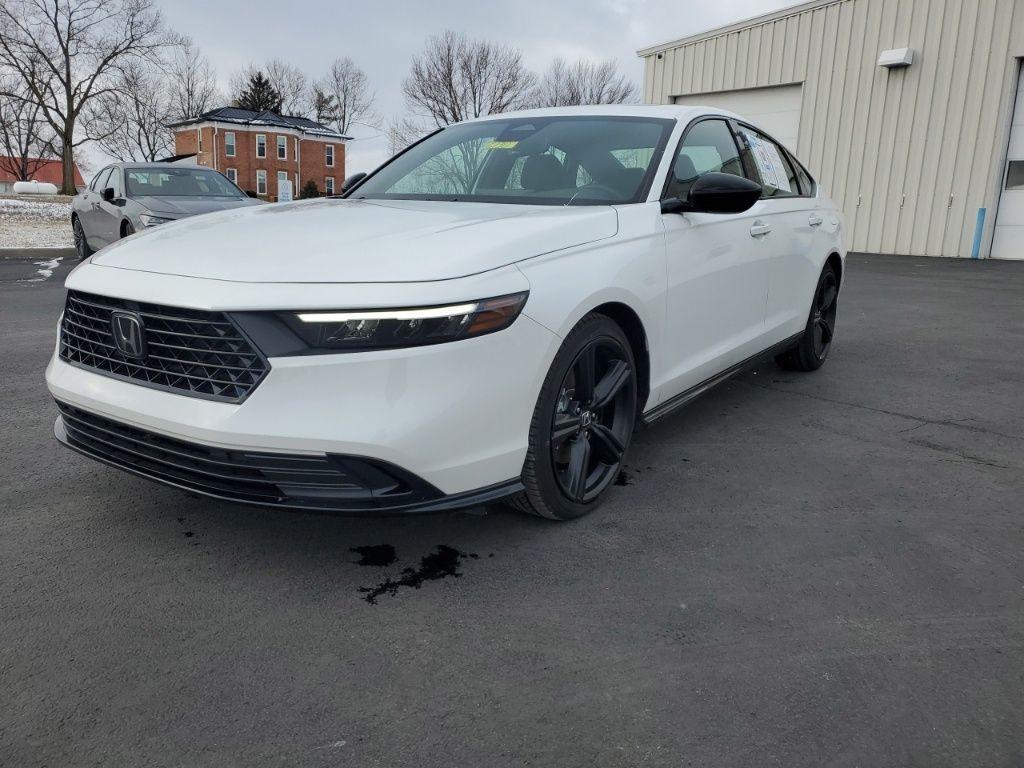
point(815, 220)
point(759, 229)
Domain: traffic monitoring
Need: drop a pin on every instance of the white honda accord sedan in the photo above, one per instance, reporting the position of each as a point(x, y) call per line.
point(489, 315)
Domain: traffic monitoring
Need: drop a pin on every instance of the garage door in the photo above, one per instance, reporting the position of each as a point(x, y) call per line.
point(776, 109)
point(1008, 242)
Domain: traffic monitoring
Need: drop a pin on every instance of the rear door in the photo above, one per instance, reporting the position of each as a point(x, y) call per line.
point(717, 266)
point(792, 213)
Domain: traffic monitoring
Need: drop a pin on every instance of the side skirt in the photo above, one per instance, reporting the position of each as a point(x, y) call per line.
point(674, 403)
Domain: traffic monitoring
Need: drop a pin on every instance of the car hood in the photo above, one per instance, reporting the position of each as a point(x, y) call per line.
point(190, 206)
point(358, 241)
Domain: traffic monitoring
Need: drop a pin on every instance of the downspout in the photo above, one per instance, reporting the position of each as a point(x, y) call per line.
point(215, 130)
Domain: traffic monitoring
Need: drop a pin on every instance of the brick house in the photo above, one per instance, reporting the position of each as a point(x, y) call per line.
point(257, 149)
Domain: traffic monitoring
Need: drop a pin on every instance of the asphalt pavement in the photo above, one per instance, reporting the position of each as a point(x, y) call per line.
point(797, 570)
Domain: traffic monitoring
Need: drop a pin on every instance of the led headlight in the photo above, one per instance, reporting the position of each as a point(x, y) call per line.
point(151, 221)
point(388, 328)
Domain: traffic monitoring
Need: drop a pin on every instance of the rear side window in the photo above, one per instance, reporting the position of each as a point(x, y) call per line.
point(708, 147)
point(777, 175)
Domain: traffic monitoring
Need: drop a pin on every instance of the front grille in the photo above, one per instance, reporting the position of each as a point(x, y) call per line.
point(189, 351)
point(308, 482)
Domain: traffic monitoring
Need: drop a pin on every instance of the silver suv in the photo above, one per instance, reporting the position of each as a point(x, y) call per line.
point(128, 197)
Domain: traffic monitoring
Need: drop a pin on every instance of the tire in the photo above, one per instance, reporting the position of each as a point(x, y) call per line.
point(577, 446)
point(82, 248)
point(816, 342)
point(127, 229)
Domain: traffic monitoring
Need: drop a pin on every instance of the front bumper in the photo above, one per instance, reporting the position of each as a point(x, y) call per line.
point(455, 416)
point(321, 483)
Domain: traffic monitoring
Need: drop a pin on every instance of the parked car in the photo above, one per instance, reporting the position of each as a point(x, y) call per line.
point(490, 314)
point(125, 198)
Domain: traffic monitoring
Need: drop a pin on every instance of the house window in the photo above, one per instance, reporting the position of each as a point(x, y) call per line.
point(261, 182)
point(261, 145)
point(329, 185)
point(229, 144)
point(232, 174)
point(282, 147)
point(330, 155)
point(199, 139)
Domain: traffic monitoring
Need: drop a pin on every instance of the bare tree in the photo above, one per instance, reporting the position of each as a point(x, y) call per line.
point(293, 85)
point(80, 45)
point(353, 100)
point(585, 82)
point(456, 78)
point(135, 115)
point(193, 84)
point(24, 135)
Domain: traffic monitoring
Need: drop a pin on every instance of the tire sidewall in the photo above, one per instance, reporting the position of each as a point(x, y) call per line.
point(543, 487)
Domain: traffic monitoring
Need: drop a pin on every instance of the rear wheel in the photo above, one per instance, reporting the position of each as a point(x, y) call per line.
point(127, 229)
point(82, 248)
point(582, 423)
point(810, 354)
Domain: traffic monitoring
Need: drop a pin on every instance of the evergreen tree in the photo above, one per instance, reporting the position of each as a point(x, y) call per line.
point(325, 106)
point(259, 95)
point(309, 189)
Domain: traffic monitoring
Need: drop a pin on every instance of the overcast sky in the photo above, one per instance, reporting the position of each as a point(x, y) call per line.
point(382, 35)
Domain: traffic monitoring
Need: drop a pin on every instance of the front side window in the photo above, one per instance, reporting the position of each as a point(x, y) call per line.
point(261, 145)
point(777, 175)
point(564, 160)
point(330, 155)
point(229, 144)
point(282, 147)
point(329, 185)
point(261, 182)
point(179, 182)
point(708, 147)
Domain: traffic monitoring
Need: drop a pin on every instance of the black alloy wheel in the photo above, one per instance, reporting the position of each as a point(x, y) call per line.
point(815, 344)
point(588, 431)
point(81, 244)
point(582, 424)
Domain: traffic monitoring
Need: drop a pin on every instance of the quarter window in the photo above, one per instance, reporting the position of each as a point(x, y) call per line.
point(330, 155)
point(261, 182)
point(776, 173)
point(1015, 175)
point(229, 144)
point(282, 147)
point(99, 183)
point(261, 145)
point(709, 147)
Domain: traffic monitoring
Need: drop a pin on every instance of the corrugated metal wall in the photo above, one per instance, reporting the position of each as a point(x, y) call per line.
point(910, 154)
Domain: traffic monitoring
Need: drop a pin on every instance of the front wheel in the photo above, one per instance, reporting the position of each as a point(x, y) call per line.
point(82, 249)
point(810, 354)
point(582, 423)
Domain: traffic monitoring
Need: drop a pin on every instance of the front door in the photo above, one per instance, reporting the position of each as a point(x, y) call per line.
point(717, 267)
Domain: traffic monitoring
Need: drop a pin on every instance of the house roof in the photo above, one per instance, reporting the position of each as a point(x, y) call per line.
point(41, 170)
point(239, 116)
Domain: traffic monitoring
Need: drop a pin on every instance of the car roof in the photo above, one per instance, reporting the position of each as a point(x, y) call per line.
point(141, 166)
point(663, 111)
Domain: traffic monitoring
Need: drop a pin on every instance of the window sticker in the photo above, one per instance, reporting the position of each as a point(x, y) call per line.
point(769, 163)
point(503, 144)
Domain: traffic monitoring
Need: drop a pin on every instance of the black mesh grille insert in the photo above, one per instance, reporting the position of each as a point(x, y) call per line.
point(189, 351)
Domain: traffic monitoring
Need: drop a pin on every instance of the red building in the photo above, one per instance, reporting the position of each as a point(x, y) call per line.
point(256, 150)
point(47, 171)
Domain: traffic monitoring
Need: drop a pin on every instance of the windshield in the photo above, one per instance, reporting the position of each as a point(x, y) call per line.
point(566, 160)
point(179, 182)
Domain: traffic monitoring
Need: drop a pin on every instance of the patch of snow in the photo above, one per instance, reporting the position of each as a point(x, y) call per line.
point(45, 271)
point(35, 209)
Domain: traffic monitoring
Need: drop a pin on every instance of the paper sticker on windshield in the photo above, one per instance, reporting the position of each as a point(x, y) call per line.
point(503, 144)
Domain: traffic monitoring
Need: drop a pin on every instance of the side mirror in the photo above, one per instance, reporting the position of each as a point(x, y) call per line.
point(716, 193)
point(352, 181)
point(108, 194)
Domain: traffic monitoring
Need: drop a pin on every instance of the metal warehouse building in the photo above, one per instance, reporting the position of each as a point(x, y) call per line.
point(910, 112)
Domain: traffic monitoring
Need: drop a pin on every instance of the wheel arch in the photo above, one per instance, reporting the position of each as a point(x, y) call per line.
point(629, 321)
point(835, 261)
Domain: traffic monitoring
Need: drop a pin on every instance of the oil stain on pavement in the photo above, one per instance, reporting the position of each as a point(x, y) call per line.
point(376, 555)
point(439, 564)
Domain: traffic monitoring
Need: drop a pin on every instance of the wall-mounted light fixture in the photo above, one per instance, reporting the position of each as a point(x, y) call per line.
point(896, 58)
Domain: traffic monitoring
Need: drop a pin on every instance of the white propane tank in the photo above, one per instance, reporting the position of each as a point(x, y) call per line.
point(34, 188)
